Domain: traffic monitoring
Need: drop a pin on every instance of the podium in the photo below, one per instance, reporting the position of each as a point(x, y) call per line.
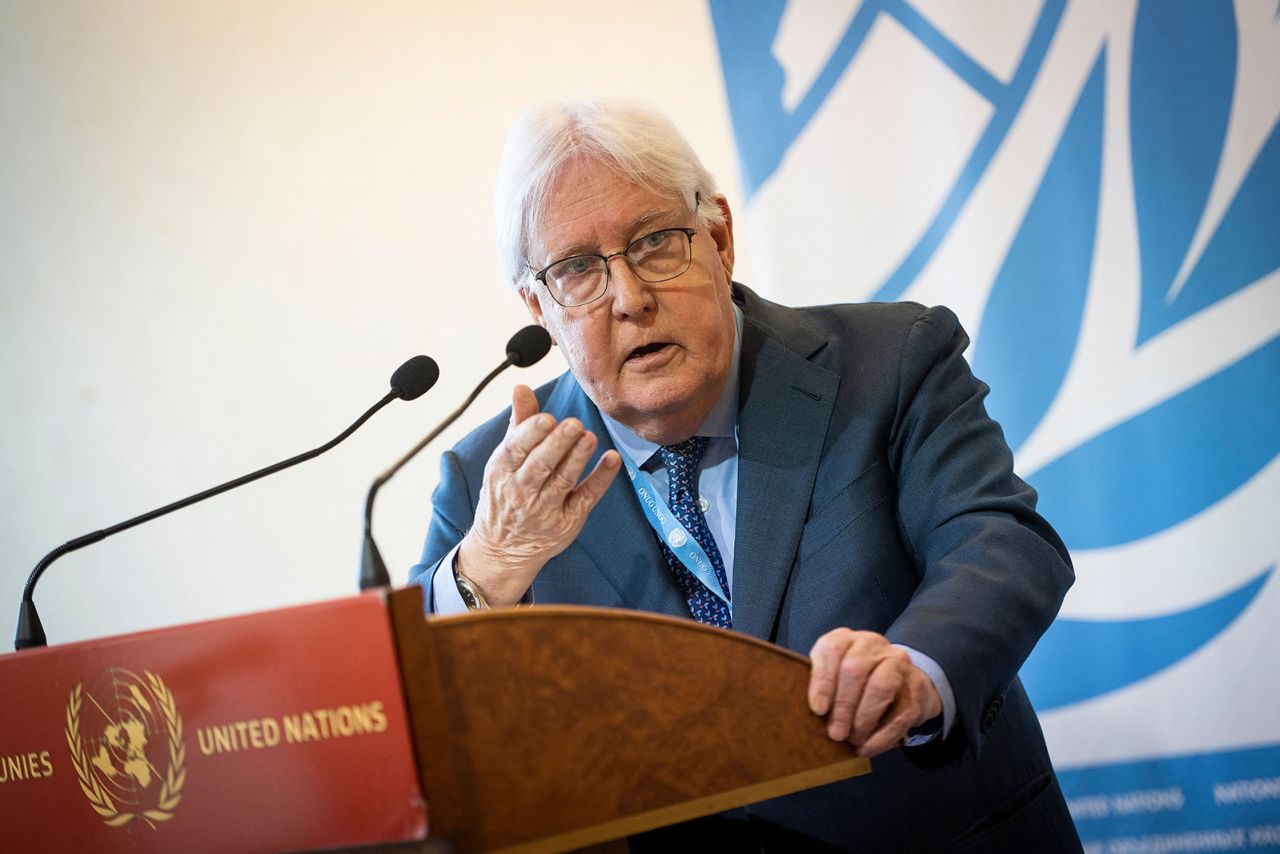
point(359, 722)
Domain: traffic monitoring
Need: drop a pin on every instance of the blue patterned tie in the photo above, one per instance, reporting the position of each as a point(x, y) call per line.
point(682, 471)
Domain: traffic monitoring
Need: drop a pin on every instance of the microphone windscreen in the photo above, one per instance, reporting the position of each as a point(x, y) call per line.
point(528, 346)
point(412, 379)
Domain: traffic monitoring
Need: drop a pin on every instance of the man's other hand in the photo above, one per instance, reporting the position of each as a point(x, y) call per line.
point(869, 690)
point(532, 504)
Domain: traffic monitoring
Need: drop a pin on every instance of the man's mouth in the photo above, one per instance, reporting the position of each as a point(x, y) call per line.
point(645, 350)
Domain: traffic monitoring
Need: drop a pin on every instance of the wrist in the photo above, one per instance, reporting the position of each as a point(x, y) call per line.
point(493, 579)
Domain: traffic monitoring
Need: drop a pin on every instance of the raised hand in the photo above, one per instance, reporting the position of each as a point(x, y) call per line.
point(532, 504)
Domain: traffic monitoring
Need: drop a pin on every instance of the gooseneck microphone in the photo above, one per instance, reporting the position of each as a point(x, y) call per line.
point(525, 348)
point(410, 381)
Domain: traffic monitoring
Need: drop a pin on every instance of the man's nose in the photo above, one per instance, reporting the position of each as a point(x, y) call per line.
point(631, 295)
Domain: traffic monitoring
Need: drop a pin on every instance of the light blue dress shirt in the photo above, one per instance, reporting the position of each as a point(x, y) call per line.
point(718, 490)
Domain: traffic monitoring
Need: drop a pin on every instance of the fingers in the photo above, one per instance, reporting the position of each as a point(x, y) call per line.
point(548, 466)
point(546, 457)
point(852, 674)
point(524, 431)
point(916, 703)
point(826, 656)
point(881, 690)
point(588, 493)
point(564, 477)
point(523, 404)
point(562, 484)
point(869, 690)
point(542, 460)
point(521, 439)
point(891, 733)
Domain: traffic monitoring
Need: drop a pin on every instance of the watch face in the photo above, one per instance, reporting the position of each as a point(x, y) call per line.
point(468, 597)
point(468, 593)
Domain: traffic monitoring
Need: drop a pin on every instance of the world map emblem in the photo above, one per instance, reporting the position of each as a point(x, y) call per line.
point(124, 734)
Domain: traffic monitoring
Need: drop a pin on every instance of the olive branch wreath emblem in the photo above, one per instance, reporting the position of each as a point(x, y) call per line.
point(174, 778)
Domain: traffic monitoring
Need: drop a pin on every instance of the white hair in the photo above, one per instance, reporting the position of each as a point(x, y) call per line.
point(636, 140)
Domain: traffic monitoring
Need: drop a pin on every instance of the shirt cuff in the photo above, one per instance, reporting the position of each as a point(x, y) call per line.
point(930, 730)
point(445, 598)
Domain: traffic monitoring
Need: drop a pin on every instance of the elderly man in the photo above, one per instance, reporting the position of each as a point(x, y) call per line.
point(826, 479)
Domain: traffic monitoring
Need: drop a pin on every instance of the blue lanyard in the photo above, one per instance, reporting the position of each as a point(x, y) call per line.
point(675, 535)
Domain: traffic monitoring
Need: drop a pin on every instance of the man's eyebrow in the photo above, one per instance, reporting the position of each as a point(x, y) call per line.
point(649, 217)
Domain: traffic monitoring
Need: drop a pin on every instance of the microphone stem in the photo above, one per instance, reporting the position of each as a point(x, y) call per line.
point(426, 440)
point(373, 570)
point(88, 539)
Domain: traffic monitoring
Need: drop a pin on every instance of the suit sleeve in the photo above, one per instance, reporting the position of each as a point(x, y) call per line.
point(451, 515)
point(992, 572)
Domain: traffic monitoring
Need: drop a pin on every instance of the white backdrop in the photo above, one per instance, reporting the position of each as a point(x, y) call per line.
point(222, 226)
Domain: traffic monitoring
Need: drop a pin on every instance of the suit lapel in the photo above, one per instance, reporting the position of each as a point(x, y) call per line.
point(784, 408)
point(617, 537)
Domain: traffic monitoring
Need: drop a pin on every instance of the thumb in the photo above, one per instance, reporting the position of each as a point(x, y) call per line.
point(523, 403)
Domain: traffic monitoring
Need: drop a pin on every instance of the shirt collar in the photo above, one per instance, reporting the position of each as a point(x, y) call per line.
point(721, 421)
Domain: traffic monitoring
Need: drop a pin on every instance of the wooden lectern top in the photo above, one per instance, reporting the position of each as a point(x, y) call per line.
point(552, 728)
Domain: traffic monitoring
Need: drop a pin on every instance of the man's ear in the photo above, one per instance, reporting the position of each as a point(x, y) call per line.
point(722, 234)
point(530, 298)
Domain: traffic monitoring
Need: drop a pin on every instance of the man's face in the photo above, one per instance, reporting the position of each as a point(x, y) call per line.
point(652, 356)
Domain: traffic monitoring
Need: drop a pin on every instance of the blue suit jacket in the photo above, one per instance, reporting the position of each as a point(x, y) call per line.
point(874, 492)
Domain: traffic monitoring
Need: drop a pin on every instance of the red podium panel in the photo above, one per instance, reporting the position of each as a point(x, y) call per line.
point(277, 731)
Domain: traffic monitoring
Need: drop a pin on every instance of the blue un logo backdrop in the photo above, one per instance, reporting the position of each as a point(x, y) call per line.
point(1094, 187)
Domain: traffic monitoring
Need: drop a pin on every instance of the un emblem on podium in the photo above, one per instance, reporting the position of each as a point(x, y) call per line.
point(125, 737)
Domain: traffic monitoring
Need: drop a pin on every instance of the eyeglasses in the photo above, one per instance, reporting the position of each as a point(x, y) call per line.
point(656, 257)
